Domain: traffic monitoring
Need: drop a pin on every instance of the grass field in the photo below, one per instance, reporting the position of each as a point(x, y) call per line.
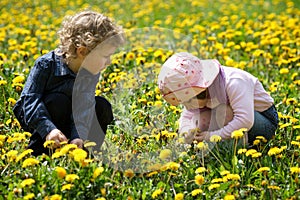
point(143, 158)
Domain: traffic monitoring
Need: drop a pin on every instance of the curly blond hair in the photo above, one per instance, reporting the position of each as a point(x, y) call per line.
point(87, 29)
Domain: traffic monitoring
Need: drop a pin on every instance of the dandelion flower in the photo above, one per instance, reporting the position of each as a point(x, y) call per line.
point(97, 172)
point(224, 172)
point(274, 151)
point(241, 151)
point(196, 192)
point(274, 187)
point(250, 152)
point(55, 197)
point(79, 155)
point(233, 177)
point(238, 133)
point(90, 144)
point(23, 154)
point(61, 172)
point(200, 170)
point(71, 177)
point(215, 138)
point(179, 196)
point(27, 182)
point(229, 197)
point(66, 187)
point(29, 196)
point(49, 143)
point(156, 193)
point(30, 162)
point(284, 71)
point(264, 169)
point(213, 186)
point(217, 180)
point(202, 146)
point(199, 179)
point(295, 170)
point(165, 153)
point(129, 173)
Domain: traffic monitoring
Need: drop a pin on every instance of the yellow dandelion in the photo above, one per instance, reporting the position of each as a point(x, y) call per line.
point(241, 151)
point(23, 154)
point(196, 192)
point(55, 197)
point(152, 173)
point(90, 144)
point(30, 162)
point(129, 173)
point(284, 71)
point(19, 79)
point(295, 170)
point(97, 172)
point(165, 153)
point(217, 180)
point(229, 197)
point(264, 169)
point(202, 146)
point(200, 170)
point(224, 172)
point(27, 182)
point(215, 138)
point(179, 196)
point(298, 138)
point(29, 196)
point(170, 165)
point(56, 155)
point(65, 149)
point(261, 138)
point(3, 82)
point(79, 155)
point(256, 155)
point(61, 172)
point(71, 177)
point(199, 179)
point(256, 142)
point(213, 186)
point(250, 152)
point(274, 187)
point(233, 177)
point(66, 187)
point(156, 193)
point(49, 143)
point(274, 151)
point(238, 133)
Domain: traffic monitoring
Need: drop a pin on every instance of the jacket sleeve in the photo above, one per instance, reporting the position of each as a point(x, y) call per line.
point(241, 99)
point(83, 103)
point(30, 109)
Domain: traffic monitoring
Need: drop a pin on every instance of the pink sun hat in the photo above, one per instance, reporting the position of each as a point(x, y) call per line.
point(183, 76)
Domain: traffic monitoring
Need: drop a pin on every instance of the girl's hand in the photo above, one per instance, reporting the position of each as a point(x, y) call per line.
point(201, 136)
point(57, 136)
point(78, 142)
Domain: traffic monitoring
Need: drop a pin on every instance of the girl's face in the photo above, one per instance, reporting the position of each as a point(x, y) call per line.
point(198, 101)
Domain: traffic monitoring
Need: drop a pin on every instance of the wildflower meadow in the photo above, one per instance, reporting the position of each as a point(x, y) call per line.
point(143, 156)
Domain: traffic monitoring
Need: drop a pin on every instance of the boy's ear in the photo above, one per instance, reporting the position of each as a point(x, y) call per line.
point(81, 51)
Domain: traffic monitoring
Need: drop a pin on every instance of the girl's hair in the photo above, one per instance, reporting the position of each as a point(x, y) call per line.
point(87, 29)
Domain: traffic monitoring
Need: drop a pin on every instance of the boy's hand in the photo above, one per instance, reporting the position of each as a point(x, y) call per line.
point(57, 136)
point(78, 142)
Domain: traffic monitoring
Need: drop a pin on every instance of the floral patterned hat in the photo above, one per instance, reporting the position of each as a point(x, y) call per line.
point(183, 76)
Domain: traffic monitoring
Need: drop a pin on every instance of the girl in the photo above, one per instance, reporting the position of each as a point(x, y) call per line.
point(217, 99)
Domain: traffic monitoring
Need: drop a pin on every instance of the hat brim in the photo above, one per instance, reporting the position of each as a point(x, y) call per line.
point(181, 96)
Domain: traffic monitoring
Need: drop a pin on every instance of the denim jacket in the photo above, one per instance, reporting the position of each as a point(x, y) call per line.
point(51, 75)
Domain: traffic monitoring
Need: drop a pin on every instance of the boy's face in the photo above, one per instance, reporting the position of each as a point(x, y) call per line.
point(97, 60)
